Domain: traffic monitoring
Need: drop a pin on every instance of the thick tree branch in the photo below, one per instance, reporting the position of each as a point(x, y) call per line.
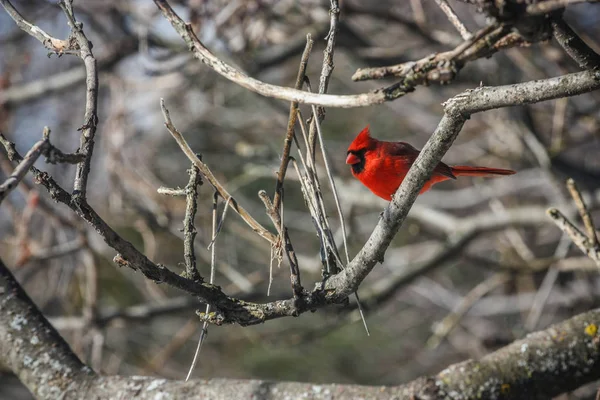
point(525, 369)
point(31, 348)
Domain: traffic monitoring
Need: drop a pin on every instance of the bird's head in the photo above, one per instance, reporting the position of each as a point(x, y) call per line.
point(361, 144)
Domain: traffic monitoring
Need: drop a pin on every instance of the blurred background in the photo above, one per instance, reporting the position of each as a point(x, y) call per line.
point(489, 265)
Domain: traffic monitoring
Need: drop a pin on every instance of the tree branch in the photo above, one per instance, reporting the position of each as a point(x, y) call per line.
point(574, 45)
point(523, 370)
point(338, 287)
point(457, 110)
point(547, 6)
point(255, 225)
point(53, 44)
point(21, 170)
point(189, 227)
point(31, 348)
point(90, 118)
point(279, 92)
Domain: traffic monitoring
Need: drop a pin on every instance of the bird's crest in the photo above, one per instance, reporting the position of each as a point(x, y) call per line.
point(362, 140)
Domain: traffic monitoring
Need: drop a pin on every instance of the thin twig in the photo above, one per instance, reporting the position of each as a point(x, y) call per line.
point(286, 242)
point(171, 191)
point(221, 220)
point(213, 263)
point(53, 44)
point(443, 67)
point(257, 227)
point(90, 118)
point(279, 92)
point(545, 7)
point(189, 228)
point(332, 184)
point(21, 170)
point(289, 136)
point(326, 70)
point(573, 45)
point(314, 194)
point(588, 222)
point(453, 18)
point(578, 237)
point(275, 210)
point(339, 209)
point(418, 12)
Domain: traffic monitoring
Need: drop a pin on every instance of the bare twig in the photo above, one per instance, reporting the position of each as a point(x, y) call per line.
point(289, 136)
point(90, 118)
point(275, 209)
point(36, 88)
point(326, 70)
point(55, 45)
point(545, 7)
point(220, 225)
point(277, 220)
point(584, 213)
point(56, 156)
point(171, 191)
point(339, 209)
point(279, 92)
point(575, 47)
point(189, 228)
point(578, 237)
point(203, 168)
point(21, 170)
point(453, 18)
point(213, 263)
point(418, 12)
point(586, 243)
point(443, 67)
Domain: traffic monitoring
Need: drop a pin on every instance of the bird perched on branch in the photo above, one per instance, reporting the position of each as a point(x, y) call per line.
point(381, 166)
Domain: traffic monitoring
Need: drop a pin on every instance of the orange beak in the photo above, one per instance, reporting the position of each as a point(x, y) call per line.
point(352, 159)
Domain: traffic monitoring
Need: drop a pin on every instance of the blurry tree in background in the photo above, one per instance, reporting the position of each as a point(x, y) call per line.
point(119, 206)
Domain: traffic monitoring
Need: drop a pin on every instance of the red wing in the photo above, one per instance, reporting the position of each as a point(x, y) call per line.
point(409, 153)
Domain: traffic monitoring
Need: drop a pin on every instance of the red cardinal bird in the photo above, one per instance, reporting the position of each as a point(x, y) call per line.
point(381, 166)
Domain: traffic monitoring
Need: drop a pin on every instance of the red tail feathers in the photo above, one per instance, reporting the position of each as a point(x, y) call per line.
point(465, 170)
